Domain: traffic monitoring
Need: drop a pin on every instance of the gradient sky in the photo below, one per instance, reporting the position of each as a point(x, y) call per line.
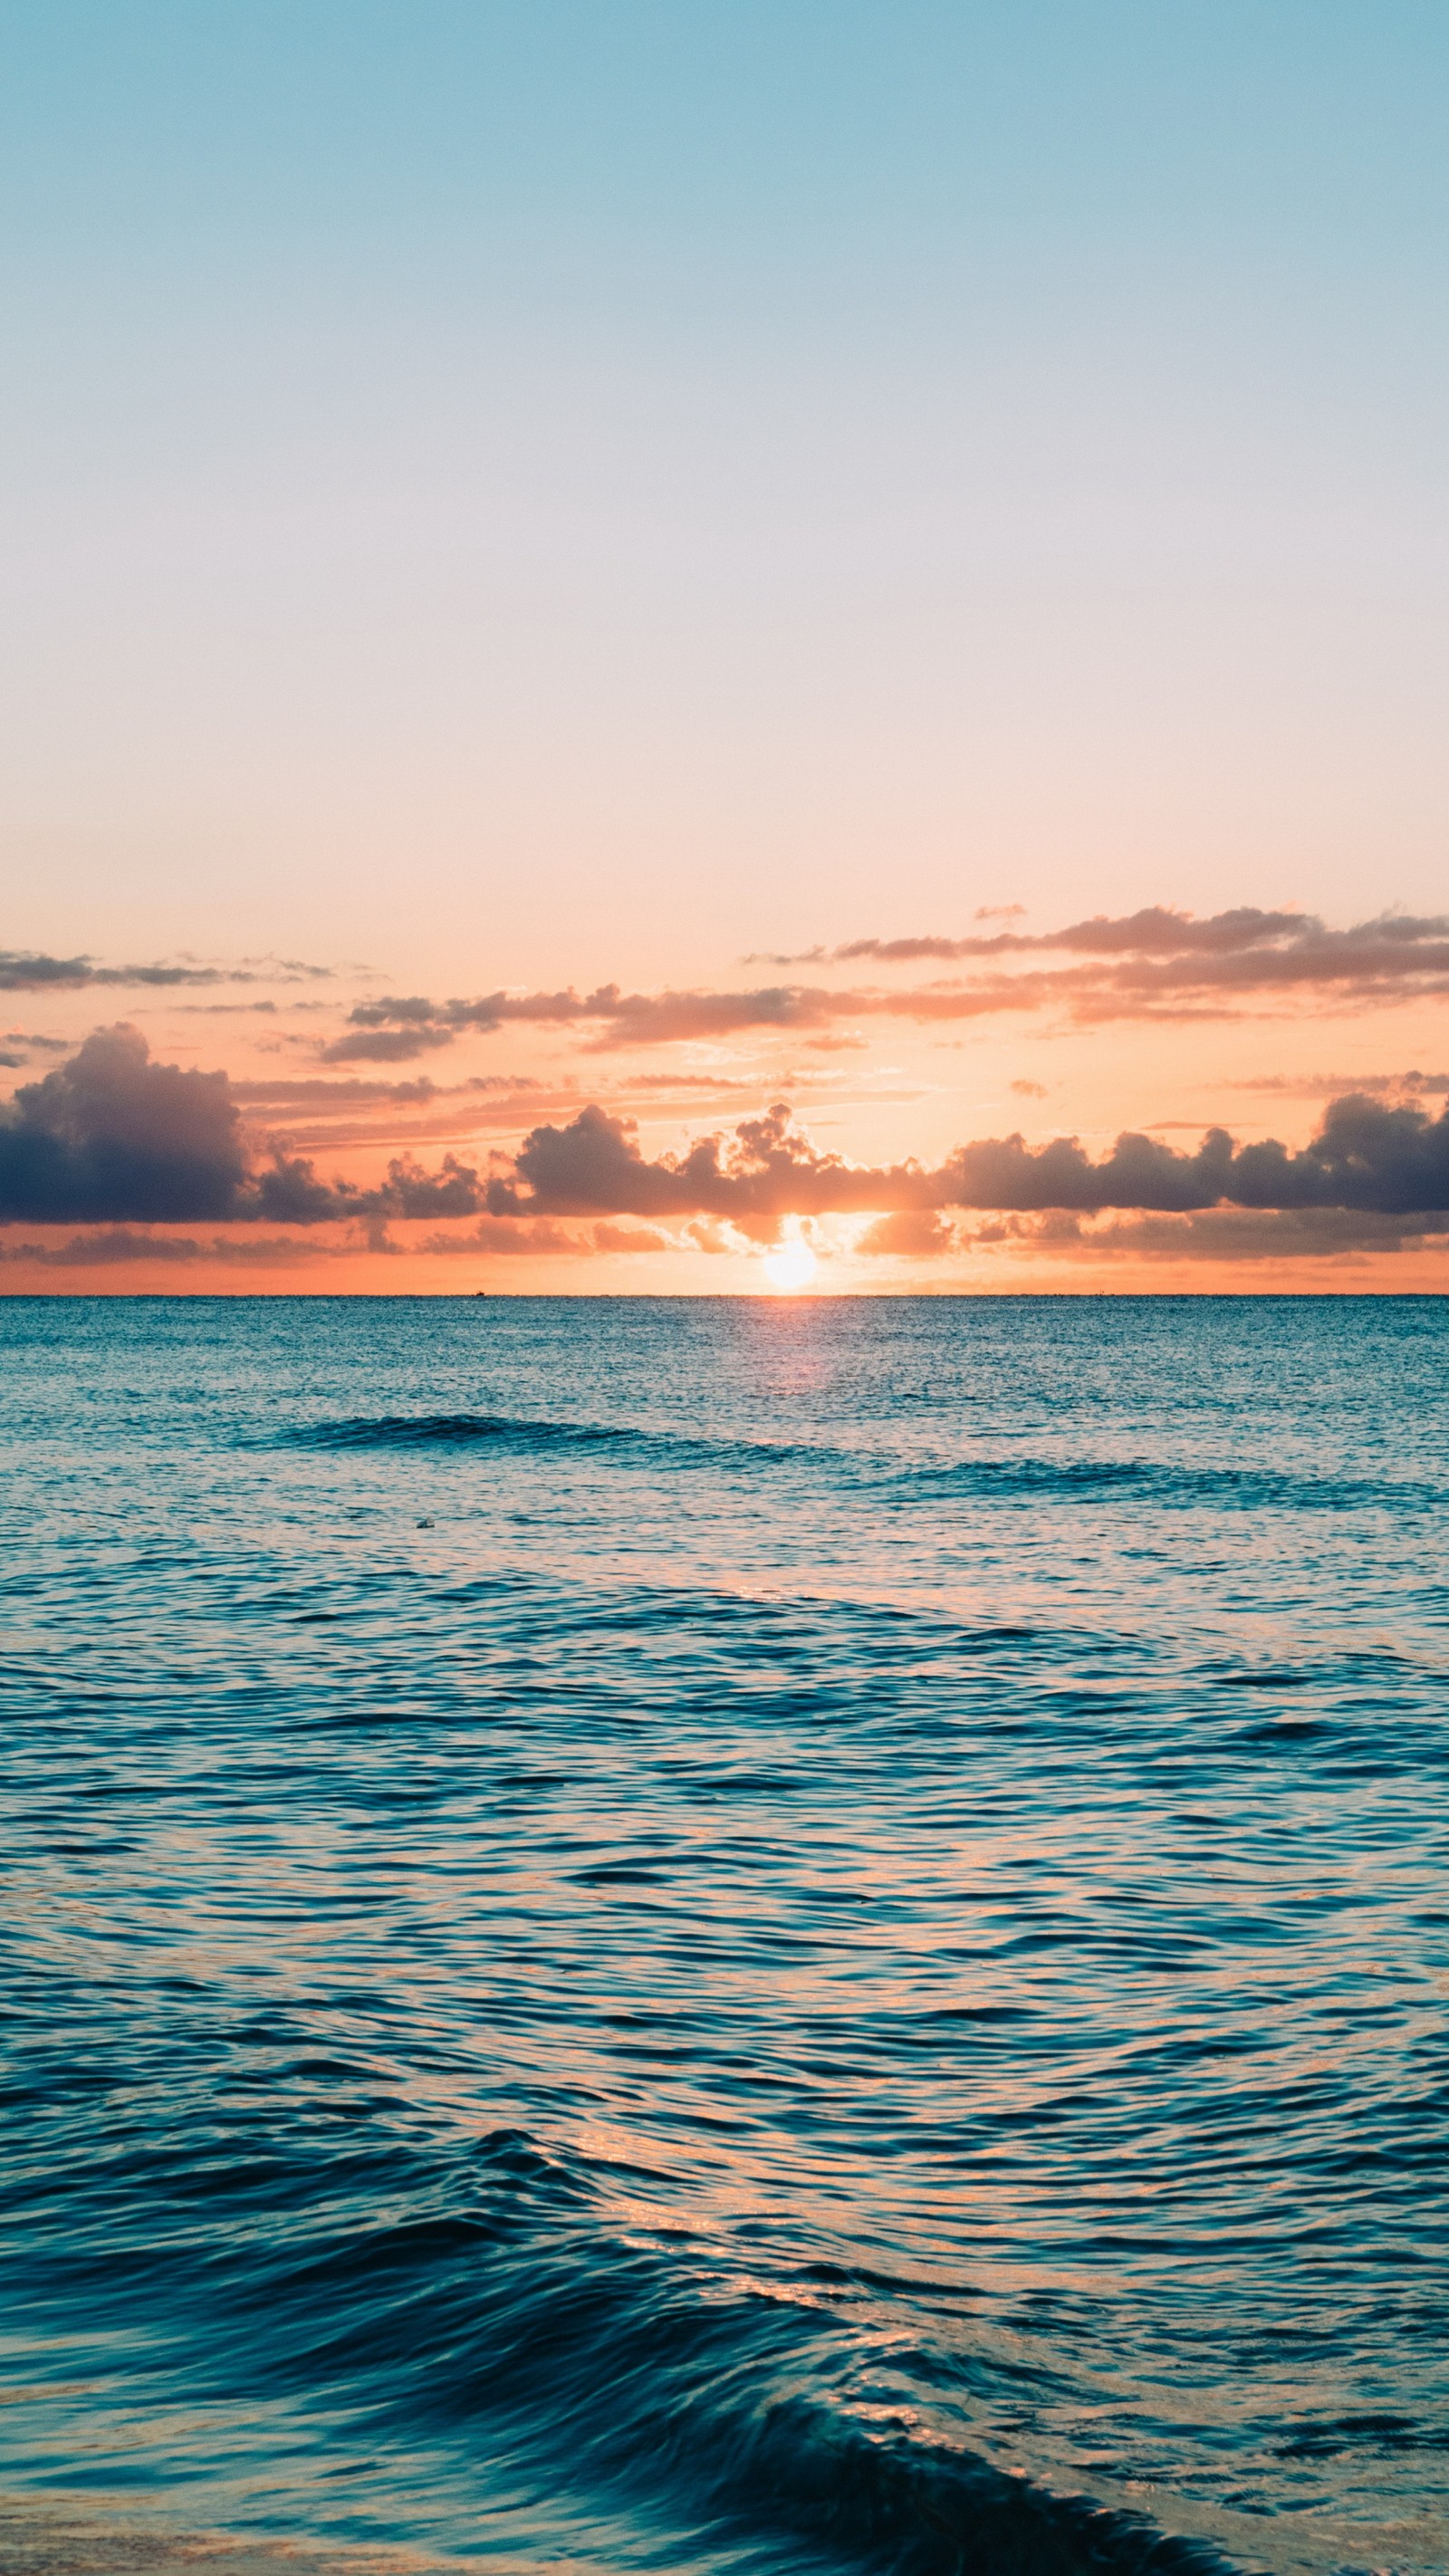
point(510, 498)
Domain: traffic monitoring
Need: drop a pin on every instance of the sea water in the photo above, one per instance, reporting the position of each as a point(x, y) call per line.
point(731, 1935)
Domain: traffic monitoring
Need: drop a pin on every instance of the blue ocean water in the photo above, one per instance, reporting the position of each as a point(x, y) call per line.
point(732, 1936)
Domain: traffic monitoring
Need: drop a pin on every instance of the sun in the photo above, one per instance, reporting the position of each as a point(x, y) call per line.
point(791, 1268)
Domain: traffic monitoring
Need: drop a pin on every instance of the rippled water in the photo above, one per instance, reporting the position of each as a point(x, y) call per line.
point(732, 1937)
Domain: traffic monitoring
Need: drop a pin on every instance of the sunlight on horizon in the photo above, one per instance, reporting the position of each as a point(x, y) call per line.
point(791, 1268)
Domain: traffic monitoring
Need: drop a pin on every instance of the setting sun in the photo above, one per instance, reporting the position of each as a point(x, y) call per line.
point(791, 1268)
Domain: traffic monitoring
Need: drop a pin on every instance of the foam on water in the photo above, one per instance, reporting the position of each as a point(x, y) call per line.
point(841, 1962)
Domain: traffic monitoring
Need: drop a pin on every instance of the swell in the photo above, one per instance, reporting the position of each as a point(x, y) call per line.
point(510, 2320)
point(526, 1436)
point(1163, 1482)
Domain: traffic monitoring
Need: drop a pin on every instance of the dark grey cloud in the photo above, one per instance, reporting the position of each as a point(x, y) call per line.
point(28, 970)
point(19, 1046)
point(111, 1136)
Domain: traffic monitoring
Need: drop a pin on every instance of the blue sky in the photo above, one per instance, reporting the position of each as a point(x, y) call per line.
point(616, 485)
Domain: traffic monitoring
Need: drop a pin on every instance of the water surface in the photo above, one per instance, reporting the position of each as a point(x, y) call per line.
point(731, 1937)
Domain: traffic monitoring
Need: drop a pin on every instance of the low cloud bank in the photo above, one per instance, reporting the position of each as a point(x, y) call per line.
point(111, 1138)
point(1366, 1156)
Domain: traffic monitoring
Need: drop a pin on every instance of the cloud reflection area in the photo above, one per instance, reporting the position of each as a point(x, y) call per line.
point(839, 1967)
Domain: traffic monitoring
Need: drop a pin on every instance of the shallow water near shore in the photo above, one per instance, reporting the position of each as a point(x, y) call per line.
point(730, 1936)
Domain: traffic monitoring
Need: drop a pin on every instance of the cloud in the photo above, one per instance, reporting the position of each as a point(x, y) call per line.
point(386, 1046)
point(283, 1092)
point(911, 1234)
point(25, 970)
point(290, 1191)
point(499, 1234)
point(540, 1235)
point(1154, 930)
point(1220, 1234)
point(1322, 1086)
point(1366, 1156)
point(111, 1136)
point(36, 1041)
point(123, 1246)
point(1150, 964)
point(629, 1238)
point(596, 1167)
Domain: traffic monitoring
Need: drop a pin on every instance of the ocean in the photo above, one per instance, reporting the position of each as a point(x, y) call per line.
point(727, 1937)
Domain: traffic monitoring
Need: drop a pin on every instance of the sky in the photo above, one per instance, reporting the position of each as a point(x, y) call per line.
point(855, 582)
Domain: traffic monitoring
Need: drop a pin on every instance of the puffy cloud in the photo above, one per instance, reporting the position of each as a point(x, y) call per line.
point(1366, 1156)
point(596, 1167)
point(1139, 1172)
point(109, 1135)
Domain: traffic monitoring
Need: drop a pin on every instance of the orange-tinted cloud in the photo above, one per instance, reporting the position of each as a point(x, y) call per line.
point(1150, 964)
point(911, 1234)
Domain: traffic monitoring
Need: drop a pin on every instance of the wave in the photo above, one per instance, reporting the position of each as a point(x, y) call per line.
point(634, 2383)
point(525, 1434)
point(1166, 1482)
point(1163, 1482)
